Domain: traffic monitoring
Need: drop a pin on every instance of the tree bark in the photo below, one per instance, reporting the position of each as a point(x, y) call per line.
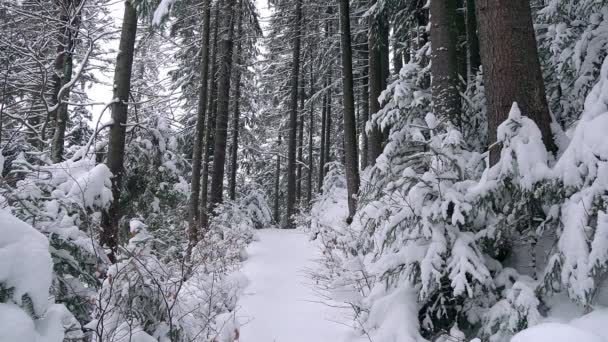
point(350, 122)
point(221, 121)
point(310, 140)
point(511, 67)
point(293, 121)
point(444, 67)
point(63, 74)
point(236, 114)
point(116, 144)
point(300, 156)
point(322, 147)
point(375, 79)
point(473, 57)
point(209, 136)
point(364, 116)
point(197, 154)
point(277, 183)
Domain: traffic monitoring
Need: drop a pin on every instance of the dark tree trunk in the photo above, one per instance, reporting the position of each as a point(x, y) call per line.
point(116, 143)
point(310, 139)
point(69, 21)
point(397, 56)
point(328, 126)
point(236, 114)
point(208, 148)
point(350, 122)
point(277, 183)
point(221, 121)
point(300, 156)
point(444, 67)
point(376, 81)
point(293, 121)
point(57, 145)
point(197, 154)
point(473, 57)
point(364, 117)
point(511, 67)
point(322, 147)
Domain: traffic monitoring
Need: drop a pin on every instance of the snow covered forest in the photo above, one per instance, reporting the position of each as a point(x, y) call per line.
point(303, 170)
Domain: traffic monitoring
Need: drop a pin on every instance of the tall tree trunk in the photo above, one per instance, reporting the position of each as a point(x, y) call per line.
point(68, 21)
point(322, 147)
point(293, 120)
point(397, 56)
point(300, 156)
point(310, 139)
point(236, 114)
point(221, 121)
point(277, 183)
point(197, 154)
point(350, 122)
point(209, 136)
point(62, 116)
point(375, 77)
point(444, 68)
point(473, 57)
point(116, 143)
point(364, 117)
point(328, 125)
point(511, 67)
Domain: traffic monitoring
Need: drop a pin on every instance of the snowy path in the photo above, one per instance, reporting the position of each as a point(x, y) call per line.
point(279, 304)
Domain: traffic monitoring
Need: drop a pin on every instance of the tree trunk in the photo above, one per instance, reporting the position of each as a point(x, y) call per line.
point(221, 121)
point(322, 148)
point(63, 74)
point(116, 143)
point(511, 67)
point(328, 126)
point(293, 121)
point(62, 116)
point(277, 183)
point(236, 114)
point(212, 96)
point(364, 117)
point(350, 122)
point(300, 142)
point(375, 79)
point(197, 154)
point(310, 139)
point(444, 67)
point(474, 60)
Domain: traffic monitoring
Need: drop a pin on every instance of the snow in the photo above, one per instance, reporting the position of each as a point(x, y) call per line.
point(280, 304)
point(25, 262)
point(26, 268)
point(588, 328)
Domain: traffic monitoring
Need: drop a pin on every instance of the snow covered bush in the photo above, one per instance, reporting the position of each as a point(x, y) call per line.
point(63, 201)
point(484, 250)
point(144, 299)
point(26, 314)
point(573, 37)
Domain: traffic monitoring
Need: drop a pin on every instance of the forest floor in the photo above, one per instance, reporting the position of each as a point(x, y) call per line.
point(281, 303)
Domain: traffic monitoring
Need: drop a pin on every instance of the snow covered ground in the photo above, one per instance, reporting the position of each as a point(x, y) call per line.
point(280, 303)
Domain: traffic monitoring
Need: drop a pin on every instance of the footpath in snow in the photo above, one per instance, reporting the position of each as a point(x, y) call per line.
point(280, 304)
